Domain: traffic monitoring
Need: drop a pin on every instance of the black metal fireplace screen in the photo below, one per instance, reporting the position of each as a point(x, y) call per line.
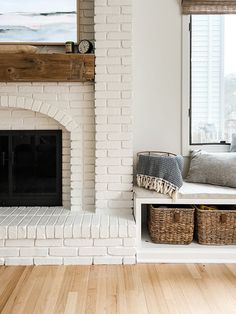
point(31, 168)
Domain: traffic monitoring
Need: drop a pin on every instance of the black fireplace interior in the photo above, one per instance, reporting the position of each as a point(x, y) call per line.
point(31, 168)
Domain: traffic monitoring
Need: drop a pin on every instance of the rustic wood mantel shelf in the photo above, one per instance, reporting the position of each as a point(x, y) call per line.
point(55, 67)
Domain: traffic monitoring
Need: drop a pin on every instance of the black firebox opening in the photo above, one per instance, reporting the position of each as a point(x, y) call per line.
point(31, 168)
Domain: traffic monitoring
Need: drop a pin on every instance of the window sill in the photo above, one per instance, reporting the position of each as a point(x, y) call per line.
point(224, 148)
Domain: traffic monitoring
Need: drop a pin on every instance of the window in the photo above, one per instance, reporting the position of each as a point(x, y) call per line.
point(212, 79)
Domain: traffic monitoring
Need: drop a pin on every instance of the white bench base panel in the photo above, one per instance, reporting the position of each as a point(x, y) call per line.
point(148, 252)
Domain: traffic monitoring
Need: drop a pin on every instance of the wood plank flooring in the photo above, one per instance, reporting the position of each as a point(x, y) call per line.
point(160, 288)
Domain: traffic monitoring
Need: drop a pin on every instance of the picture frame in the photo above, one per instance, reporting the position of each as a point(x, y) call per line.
point(34, 25)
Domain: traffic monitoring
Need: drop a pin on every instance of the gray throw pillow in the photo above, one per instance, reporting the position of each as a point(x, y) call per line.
point(212, 168)
point(233, 143)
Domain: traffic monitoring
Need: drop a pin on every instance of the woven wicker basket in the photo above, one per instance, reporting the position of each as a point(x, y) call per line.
point(171, 225)
point(216, 227)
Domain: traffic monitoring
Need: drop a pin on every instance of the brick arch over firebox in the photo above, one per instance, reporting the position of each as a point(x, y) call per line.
point(40, 106)
point(70, 125)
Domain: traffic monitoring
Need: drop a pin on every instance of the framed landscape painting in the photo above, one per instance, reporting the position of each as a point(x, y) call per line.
point(40, 21)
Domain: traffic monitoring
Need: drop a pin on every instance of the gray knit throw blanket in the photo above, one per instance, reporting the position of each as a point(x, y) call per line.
point(162, 174)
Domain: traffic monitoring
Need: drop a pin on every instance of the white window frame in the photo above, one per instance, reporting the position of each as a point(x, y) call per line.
point(185, 123)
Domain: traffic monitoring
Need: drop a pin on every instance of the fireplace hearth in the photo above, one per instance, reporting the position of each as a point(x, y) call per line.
point(31, 168)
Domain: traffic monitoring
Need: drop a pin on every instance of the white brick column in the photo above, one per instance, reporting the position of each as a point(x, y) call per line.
point(113, 100)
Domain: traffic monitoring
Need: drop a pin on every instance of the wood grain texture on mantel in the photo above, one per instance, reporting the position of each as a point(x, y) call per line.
point(56, 67)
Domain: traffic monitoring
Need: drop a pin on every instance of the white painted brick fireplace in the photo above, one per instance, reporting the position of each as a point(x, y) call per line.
point(95, 224)
point(22, 111)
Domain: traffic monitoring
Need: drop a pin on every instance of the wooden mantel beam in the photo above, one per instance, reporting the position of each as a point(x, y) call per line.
point(56, 67)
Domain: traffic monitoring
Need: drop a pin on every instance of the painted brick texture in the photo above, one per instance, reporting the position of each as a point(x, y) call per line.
point(36, 246)
point(113, 101)
point(24, 107)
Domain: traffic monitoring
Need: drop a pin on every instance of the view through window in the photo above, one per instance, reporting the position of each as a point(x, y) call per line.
point(213, 78)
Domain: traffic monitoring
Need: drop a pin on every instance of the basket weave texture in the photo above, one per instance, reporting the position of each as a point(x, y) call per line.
point(216, 227)
point(171, 225)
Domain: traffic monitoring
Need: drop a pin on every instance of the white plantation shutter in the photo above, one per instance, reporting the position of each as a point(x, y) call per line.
point(207, 66)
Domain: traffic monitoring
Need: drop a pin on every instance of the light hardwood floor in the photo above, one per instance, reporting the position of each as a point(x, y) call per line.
point(119, 289)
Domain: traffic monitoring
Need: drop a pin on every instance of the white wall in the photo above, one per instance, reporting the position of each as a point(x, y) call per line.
point(157, 75)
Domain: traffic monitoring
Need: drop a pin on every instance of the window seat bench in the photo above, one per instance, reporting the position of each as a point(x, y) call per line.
point(190, 193)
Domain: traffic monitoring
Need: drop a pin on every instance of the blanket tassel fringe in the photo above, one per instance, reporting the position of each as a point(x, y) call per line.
point(157, 184)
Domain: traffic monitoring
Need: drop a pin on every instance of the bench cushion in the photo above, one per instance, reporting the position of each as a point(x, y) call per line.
point(193, 191)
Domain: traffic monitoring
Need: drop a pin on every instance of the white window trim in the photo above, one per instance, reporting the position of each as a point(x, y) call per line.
point(186, 147)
